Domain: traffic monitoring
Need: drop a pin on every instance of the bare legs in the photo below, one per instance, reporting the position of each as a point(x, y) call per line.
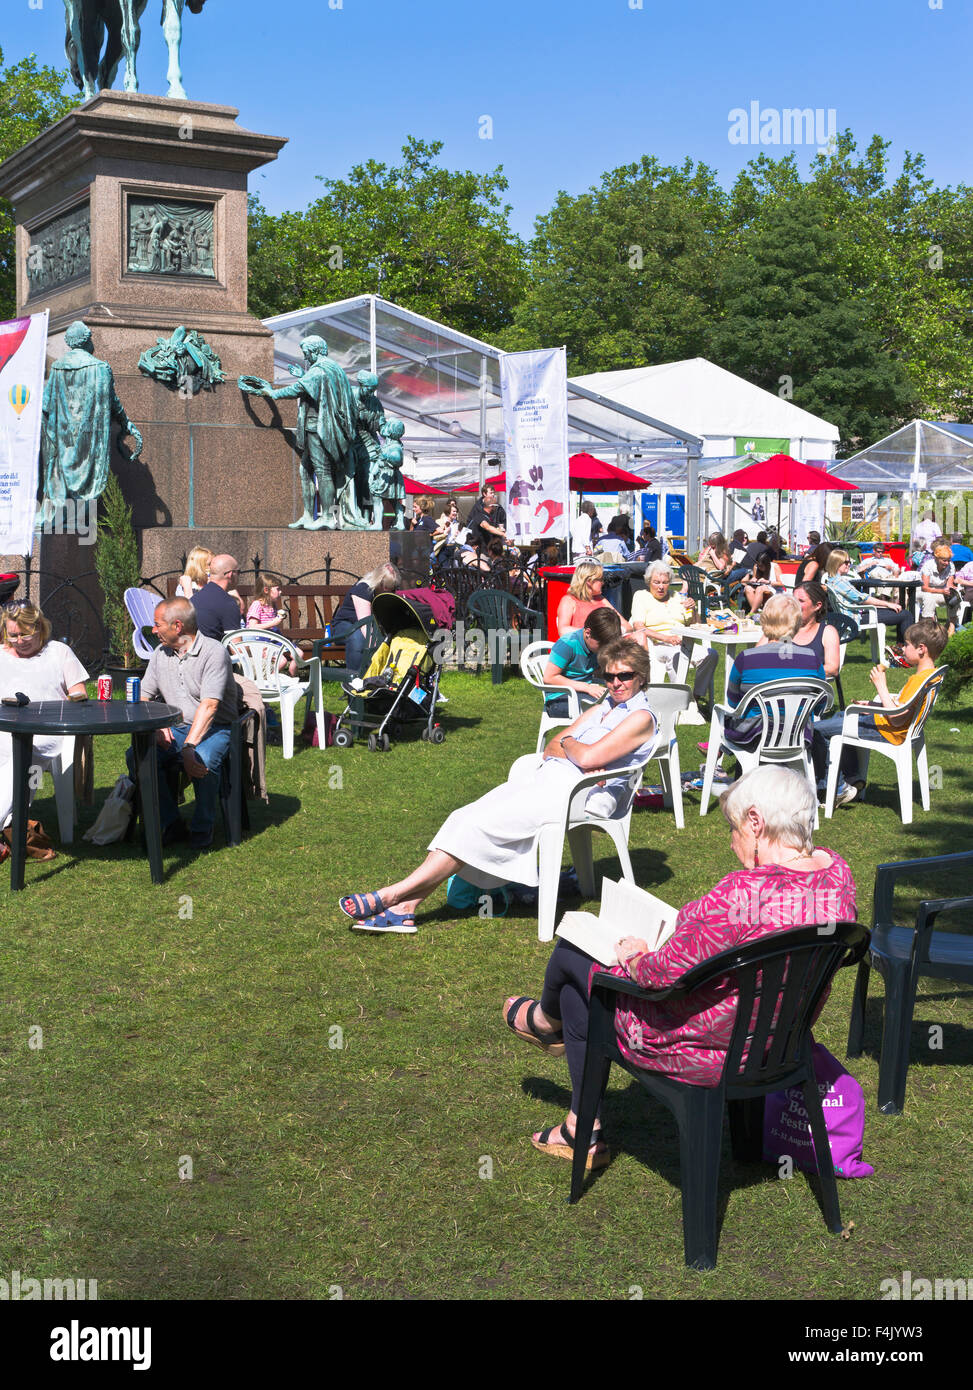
point(407, 894)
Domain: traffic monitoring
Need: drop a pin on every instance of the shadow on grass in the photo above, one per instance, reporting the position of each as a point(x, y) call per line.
point(175, 857)
point(634, 1123)
point(956, 1048)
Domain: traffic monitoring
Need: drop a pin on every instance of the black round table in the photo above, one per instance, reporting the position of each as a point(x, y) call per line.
point(77, 717)
point(904, 586)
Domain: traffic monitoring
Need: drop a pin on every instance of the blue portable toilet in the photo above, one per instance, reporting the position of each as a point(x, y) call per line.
point(675, 514)
point(650, 509)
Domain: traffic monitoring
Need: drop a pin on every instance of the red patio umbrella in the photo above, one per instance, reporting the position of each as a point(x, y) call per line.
point(785, 474)
point(416, 489)
point(585, 474)
point(588, 474)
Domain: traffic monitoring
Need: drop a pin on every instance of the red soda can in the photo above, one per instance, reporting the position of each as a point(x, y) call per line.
point(104, 687)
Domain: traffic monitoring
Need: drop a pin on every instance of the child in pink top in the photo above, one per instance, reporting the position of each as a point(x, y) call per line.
point(265, 614)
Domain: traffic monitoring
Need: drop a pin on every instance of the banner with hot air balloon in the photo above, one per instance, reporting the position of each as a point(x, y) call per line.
point(23, 345)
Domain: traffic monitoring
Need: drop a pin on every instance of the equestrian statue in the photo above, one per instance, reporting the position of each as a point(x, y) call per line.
point(88, 23)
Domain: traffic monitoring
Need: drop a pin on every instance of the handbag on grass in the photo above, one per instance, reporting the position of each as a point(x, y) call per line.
point(38, 841)
point(787, 1130)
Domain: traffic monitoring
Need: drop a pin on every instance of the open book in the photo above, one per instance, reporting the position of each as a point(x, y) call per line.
point(626, 910)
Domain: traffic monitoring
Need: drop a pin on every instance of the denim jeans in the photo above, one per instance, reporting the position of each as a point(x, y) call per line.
point(212, 750)
point(854, 761)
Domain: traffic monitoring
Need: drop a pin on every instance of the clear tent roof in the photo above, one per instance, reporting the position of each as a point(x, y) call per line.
point(446, 385)
point(944, 452)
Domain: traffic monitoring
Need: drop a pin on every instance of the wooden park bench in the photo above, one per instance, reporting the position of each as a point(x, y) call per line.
point(310, 608)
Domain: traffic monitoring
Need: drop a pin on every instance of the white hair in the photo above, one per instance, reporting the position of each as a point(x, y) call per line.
point(786, 800)
point(655, 567)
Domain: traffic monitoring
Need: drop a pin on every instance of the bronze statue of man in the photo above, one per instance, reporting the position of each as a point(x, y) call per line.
point(327, 418)
point(79, 405)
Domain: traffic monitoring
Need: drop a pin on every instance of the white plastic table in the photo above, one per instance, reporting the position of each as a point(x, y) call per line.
point(745, 636)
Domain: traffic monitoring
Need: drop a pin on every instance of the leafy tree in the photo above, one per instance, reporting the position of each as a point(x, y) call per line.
point(790, 312)
point(907, 250)
point(31, 99)
point(627, 273)
point(904, 251)
point(439, 238)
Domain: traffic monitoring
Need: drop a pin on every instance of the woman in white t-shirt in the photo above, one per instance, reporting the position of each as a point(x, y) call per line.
point(32, 665)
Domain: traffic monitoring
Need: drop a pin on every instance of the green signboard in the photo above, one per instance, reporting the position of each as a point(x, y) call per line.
point(756, 444)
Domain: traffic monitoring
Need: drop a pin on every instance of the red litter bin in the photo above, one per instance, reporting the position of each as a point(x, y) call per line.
point(558, 581)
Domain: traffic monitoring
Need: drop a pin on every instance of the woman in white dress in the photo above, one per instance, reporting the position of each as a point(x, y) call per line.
point(32, 665)
point(494, 840)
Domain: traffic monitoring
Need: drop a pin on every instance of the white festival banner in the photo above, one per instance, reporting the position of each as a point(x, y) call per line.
point(23, 345)
point(534, 390)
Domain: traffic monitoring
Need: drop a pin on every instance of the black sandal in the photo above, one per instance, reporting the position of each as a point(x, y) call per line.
point(565, 1149)
point(551, 1043)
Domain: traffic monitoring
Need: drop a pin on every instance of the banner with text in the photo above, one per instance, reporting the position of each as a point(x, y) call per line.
point(23, 344)
point(534, 390)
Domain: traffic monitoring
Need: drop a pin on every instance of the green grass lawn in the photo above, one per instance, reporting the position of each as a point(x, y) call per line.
point(198, 1027)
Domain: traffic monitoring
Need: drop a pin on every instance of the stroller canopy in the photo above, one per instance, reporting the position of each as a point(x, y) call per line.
point(396, 612)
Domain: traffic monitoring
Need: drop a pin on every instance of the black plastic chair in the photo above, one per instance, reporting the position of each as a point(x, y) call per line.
point(781, 980)
point(901, 955)
point(495, 610)
point(233, 791)
point(847, 628)
point(696, 581)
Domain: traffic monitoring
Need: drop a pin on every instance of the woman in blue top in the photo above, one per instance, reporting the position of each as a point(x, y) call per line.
point(494, 840)
point(852, 602)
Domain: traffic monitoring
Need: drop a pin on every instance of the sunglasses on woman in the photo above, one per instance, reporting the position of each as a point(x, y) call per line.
point(620, 676)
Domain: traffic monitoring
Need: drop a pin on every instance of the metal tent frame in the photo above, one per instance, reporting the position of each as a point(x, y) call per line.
point(446, 385)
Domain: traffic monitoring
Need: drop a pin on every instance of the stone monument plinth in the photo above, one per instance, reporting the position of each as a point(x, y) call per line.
point(131, 215)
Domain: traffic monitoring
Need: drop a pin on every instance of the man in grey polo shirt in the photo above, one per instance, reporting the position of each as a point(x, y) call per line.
point(194, 673)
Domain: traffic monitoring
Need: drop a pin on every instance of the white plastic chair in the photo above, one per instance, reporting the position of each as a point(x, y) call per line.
point(900, 753)
point(61, 768)
point(867, 620)
point(784, 708)
point(258, 656)
point(533, 660)
point(667, 702)
point(577, 824)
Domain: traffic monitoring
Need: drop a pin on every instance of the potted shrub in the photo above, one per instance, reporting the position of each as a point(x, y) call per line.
point(117, 567)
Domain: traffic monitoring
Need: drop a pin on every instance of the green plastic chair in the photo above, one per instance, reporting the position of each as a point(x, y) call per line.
point(495, 612)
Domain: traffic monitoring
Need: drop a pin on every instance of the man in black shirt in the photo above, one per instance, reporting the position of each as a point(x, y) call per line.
point(216, 611)
point(487, 519)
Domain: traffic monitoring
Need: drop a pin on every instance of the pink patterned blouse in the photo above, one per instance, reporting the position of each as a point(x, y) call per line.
point(690, 1042)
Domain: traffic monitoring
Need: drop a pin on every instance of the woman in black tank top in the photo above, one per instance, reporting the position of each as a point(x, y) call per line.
point(814, 631)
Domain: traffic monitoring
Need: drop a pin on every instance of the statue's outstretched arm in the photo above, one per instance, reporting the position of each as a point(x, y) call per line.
point(119, 413)
point(288, 392)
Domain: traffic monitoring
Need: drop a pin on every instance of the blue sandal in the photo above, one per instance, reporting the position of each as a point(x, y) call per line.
point(360, 908)
point(402, 923)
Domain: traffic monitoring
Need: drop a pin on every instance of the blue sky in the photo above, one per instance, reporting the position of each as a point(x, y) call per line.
point(572, 87)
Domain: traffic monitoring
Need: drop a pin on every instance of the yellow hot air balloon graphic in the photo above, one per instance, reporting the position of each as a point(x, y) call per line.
point(18, 396)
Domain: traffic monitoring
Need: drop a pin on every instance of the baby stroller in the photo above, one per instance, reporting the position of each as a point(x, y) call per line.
point(401, 683)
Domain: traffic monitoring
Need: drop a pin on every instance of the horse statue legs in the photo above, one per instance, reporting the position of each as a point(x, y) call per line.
point(85, 33)
point(172, 32)
point(130, 36)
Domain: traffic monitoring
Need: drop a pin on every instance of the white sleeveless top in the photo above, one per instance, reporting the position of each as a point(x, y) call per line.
point(614, 796)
